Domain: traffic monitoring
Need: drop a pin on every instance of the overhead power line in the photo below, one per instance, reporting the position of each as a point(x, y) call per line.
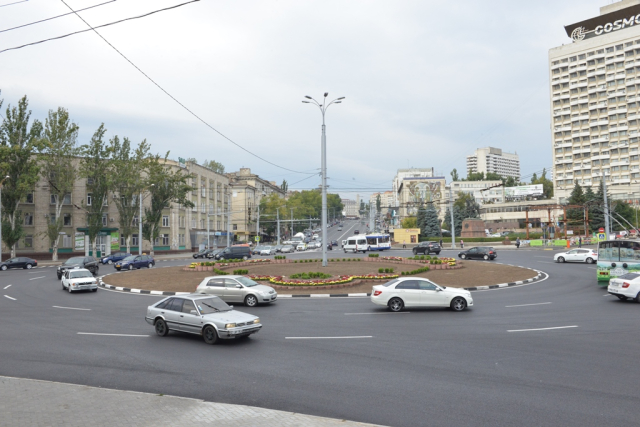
point(171, 96)
point(54, 17)
point(15, 2)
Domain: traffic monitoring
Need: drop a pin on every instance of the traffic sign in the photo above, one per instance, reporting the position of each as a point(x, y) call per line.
point(257, 238)
point(602, 236)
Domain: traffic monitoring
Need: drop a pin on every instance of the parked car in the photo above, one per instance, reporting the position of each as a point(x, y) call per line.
point(479, 252)
point(203, 253)
point(19, 262)
point(203, 315)
point(419, 292)
point(301, 247)
point(79, 279)
point(278, 248)
point(590, 256)
point(135, 261)
point(88, 262)
point(286, 249)
point(625, 287)
point(235, 252)
point(237, 289)
point(212, 254)
point(267, 250)
point(256, 250)
point(116, 256)
point(425, 248)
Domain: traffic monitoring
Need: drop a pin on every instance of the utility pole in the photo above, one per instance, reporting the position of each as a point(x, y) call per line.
point(258, 226)
point(453, 225)
point(228, 218)
point(606, 206)
point(291, 232)
point(278, 224)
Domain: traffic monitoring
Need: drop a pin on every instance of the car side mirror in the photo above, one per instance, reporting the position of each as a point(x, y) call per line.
point(239, 286)
point(193, 312)
point(438, 290)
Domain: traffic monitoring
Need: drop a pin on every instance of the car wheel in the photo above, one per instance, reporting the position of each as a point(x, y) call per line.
point(438, 253)
point(161, 328)
point(245, 258)
point(251, 301)
point(486, 257)
point(209, 334)
point(560, 259)
point(94, 290)
point(69, 289)
point(458, 304)
point(463, 256)
point(150, 265)
point(415, 252)
point(59, 276)
point(130, 267)
point(395, 304)
point(621, 297)
point(4, 267)
point(28, 266)
point(638, 297)
point(63, 288)
point(110, 262)
point(589, 260)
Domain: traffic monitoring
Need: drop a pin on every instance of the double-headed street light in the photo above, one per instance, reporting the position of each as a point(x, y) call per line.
point(323, 108)
point(1, 182)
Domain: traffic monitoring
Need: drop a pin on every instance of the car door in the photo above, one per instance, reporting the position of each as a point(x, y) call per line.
point(190, 320)
point(430, 295)
point(136, 261)
point(215, 287)
point(172, 313)
point(409, 292)
point(231, 291)
point(572, 255)
point(581, 254)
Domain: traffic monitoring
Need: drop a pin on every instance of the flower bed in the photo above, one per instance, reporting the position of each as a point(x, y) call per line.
point(281, 280)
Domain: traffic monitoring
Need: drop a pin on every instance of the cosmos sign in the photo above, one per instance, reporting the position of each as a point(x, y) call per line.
point(604, 24)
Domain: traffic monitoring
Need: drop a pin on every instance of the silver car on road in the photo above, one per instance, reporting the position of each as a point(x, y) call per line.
point(237, 289)
point(204, 315)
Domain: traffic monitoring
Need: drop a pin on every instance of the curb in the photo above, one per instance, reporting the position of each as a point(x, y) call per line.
point(541, 275)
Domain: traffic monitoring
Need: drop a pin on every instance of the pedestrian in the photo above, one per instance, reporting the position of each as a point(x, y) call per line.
point(404, 246)
point(518, 243)
point(440, 242)
point(461, 244)
point(580, 241)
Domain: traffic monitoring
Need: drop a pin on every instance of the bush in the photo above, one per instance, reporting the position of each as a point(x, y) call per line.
point(311, 275)
point(295, 262)
point(417, 271)
point(279, 257)
point(240, 272)
point(220, 272)
point(381, 270)
point(374, 255)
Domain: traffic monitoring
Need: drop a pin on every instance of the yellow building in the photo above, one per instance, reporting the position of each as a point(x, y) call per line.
point(406, 235)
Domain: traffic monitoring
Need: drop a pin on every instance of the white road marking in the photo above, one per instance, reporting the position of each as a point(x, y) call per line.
point(355, 314)
point(327, 338)
point(607, 295)
point(526, 305)
point(35, 278)
point(8, 286)
point(542, 329)
point(112, 335)
point(7, 296)
point(72, 308)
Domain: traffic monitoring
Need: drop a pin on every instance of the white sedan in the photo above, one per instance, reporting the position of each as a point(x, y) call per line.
point(79, 279)
point(287, 249)
point(625, 287)
point(590, 256)
point(266, 250)
point(301, 247)
point(419, 292)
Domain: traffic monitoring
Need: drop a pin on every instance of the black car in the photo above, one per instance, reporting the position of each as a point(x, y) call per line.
point(334, 243)
point(356, 231)
point(202, 254)
point(88, 262)
point(235, 252)
point(18, 262)
point(213, 252)
point(425, 248)
point(479, 252)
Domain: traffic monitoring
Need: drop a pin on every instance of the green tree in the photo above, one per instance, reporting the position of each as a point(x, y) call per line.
point(576, 216)
point(409, 222)
point(214, 166)
point(284, 186)
point(19, 142)
point(624, 210)
point(547, 184)
point(492, 176)
point(56, 160)
point(95, 167)
point(378, 203)
point(169, 186)
point(511, 182)
point(475, 176)
point(431, 227)
point(126, 182)
point(421, 217)
point(454, 175)
point(596, 210)
point(590, 201)
point(362, 207)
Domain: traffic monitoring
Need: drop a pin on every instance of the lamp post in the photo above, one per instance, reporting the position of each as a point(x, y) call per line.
point(140, 223)
point(323, 108)
point(1, 182)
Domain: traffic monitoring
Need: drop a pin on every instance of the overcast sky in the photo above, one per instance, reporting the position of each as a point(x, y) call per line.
point(425, 82)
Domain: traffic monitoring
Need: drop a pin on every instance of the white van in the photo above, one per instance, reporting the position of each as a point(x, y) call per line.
point(356, 244)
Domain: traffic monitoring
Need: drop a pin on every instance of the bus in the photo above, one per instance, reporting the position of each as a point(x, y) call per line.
point(378, 242)
point(617, 258)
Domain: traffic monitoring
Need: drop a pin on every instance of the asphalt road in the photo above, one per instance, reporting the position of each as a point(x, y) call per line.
point(498, 364)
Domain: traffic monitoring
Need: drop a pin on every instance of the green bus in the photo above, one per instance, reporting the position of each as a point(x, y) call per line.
point(617, 258)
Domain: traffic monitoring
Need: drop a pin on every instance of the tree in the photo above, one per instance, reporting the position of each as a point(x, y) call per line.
point(431, 225)
point(19, 143)
point(409, 222)
point(56, 160)
point(362, 207)
point(492, 176)
point(511, 182)
point(454, 175)
point(596, 211)
point(95, 166)
point(126, 182)
point(214, 166)
point(284, 186)
point(590, 199)
point(624, 213)
point(378, 203)
point(475, 176)
point(547, 184)
point(421, 219)
point(576, 216)
point(169, 186)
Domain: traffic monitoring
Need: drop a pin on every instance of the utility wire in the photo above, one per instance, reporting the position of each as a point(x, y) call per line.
point(15, 2)
point(171, 96)
point(54, 17)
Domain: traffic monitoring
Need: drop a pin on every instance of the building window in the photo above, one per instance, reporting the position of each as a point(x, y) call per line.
point(66, 241)
point(66, 200)
point(134, 240)
point(52, 218)
point(135, 220)
point(165, 239)
point(193, 223)
point(29, 198)
point(88, 199)
point(235, 226)
point(67, 220)
point(105, 219)
point(28, 217)
point(54, 198)
point(165, 220)
point(28, 241)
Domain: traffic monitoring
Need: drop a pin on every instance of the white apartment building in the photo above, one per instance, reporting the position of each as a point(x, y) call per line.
point(595, 82)
point(494, 160)
point(350, 207)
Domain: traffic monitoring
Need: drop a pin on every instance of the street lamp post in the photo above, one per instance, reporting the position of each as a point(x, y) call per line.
point(1, 182)
point(323, 108)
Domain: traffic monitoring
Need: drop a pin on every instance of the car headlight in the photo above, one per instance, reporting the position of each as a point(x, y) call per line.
point(230, 325)
point(257, 320)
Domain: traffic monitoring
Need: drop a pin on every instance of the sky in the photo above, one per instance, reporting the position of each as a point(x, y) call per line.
point(425, 82)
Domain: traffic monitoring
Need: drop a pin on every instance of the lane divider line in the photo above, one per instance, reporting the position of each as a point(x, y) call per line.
point(11, 298)
point(328, 338)
point(35, 278)
point(8, 286)
point(527, 305)
point(542, 329)
point(71, 308)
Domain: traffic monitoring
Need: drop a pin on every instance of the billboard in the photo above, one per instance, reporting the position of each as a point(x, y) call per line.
point(523, 191)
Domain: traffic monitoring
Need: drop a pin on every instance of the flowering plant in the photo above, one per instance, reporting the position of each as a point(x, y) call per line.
point(392, 258)
point(281, 280)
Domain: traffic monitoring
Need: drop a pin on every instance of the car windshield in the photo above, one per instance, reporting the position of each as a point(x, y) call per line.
point(79, 274)
point(266, 248)
point(129, 258)
point(211, 305)
point(74, 260)
point(246, 282)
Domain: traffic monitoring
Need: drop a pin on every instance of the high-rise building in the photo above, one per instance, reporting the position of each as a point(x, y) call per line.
point(494, 160)
point(594, 102)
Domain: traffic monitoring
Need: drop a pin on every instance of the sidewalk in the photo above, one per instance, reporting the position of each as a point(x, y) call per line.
point(44, 403)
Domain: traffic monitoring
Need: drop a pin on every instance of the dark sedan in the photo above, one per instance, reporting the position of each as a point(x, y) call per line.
point(117, 256)
point(334, 243)
point(135, 261)
point(88, 262)
point(425, 248)
point(18, 262)
point(479, 252)
point(203, 253)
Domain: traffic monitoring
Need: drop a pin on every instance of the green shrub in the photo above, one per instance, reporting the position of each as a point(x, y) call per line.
point(240, 271)
point(416, 271)
point(381, 270)
point(311, 275)
point(220, 272)
point(374, 255)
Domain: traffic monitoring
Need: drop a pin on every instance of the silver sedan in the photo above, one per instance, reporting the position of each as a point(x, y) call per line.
point(237, 289)
point(203, 315)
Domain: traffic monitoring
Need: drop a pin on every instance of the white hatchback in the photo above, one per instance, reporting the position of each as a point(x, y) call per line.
point(79, 279)
point(625, 287)
point(590, 256)
point(419, 292)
